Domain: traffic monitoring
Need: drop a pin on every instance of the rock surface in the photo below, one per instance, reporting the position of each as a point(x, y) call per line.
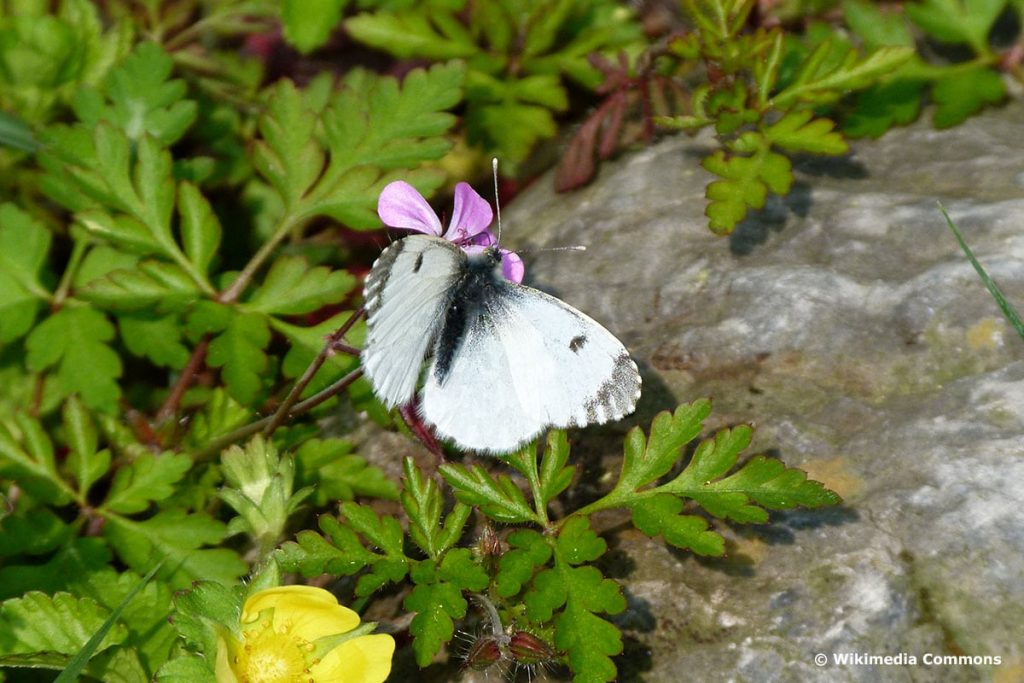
point(844, 321)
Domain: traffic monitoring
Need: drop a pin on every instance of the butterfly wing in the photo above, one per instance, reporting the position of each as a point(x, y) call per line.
point(406, 294)
point(528, 361)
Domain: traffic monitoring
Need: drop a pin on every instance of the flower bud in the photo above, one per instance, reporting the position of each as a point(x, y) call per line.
point(527, 649)
point(483, 653)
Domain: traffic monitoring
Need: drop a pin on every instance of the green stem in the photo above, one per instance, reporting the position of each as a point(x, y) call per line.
point(533, 476)
point(231, 294)
point(77, 254)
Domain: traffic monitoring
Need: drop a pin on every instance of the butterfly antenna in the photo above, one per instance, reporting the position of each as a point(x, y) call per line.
point(497, 202)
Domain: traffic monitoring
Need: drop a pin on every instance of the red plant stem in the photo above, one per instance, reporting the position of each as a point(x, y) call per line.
point(332, 346)
point(188, 373)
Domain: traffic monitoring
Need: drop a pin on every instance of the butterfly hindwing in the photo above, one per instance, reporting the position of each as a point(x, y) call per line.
point(406, 294)
point(525, 362)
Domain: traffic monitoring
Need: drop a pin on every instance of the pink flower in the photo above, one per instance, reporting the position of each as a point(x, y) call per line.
point(401, 206)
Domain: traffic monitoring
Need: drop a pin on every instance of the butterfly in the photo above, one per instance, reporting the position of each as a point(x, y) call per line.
point(506, 361)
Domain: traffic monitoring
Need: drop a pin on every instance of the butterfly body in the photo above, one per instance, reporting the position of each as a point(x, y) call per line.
point(507, 361)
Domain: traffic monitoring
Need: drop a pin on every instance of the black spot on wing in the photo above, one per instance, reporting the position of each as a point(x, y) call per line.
point(577, 342)
point(419, 263)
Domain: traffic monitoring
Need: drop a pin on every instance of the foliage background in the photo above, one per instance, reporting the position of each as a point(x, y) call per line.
point(188, 206)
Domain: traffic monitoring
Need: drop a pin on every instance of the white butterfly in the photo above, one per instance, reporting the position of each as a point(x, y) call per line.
point(507, 361)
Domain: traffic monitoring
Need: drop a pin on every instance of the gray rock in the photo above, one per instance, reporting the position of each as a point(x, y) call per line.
point(844, 321)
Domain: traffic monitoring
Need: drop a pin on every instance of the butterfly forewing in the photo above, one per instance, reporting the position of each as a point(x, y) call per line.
point(528, 362)
point(406, 294)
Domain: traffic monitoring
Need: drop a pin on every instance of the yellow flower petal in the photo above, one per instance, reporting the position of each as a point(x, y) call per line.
point(222, 666)
point(304, 611)
point(366, 659)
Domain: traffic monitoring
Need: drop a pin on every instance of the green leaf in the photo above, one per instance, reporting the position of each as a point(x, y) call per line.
point(41, 631)
point(761, 481)
point(874, 27)
point(238, 349)
point(588, 640)
point(205, 611)
point(427, 32)
point(75, 341)
point(142, 101)
point(797, 132)
point(147, 479)
point(288, 155)
point(659, 516)
point(175, 538)
point(200, 229)
point(965, 93)
point(336, 474)
point(78, 662)
point(150, 285)
point(35, 532)
point(877, 109)
point(422, 501)
point(372, 124)
point(744, 185)
point(292, 287)
point(26, 456)
point(646, 461)
point(76, 558)
point(186, 669)
point(577, 543)
point(86, 463)
point(155, 337)
point(436, 605)
point(16, 134)
point(555, 475)
point(500, 499)
point(460, 569)
point(529, 552)
point(308, 23)
point(819, 81)
point(958, 21)
point(24, 246)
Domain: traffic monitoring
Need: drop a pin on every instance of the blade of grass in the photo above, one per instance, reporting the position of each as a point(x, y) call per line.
point(1008, 310)
point(16, 134)
point(74, 669)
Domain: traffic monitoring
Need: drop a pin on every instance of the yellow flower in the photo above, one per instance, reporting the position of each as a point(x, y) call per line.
point(300, 634)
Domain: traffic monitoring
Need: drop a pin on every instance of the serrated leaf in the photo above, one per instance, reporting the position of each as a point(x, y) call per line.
point(418, 32)
point(26, 456)
point(435, 606)
point(308, 23)
point(422, 502)
point(24, 246)
point(291, 287)
point(200, 229)
point(141, 98)
point(555, 475)
point(204, 611)
point(761, 481)
point(147, 479)
point(876, 110)
point(336, 474)
point(37, 532)
point(175, 538)
point(874, 27)
point(75, 341)
point(799, 131)
point(43, 631)
point(372, 125)
point(150, 285)
point(588, 640)
point(819, 84)
point(76, 558)
point(744, 185)
point(500, 498)
point(659, 516)
point(288, 155)
point(957, 21)
point(645, 461)
point(86, 462)
point(577, 543)
point(529, 551)
point(239, 352)
point(963, 94)
point(186, 669)
point(156, 337)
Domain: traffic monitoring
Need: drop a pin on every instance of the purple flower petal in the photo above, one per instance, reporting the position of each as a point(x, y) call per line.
point(471, 215)
point(512, 266)
point(401, 206)
point(484, 239)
